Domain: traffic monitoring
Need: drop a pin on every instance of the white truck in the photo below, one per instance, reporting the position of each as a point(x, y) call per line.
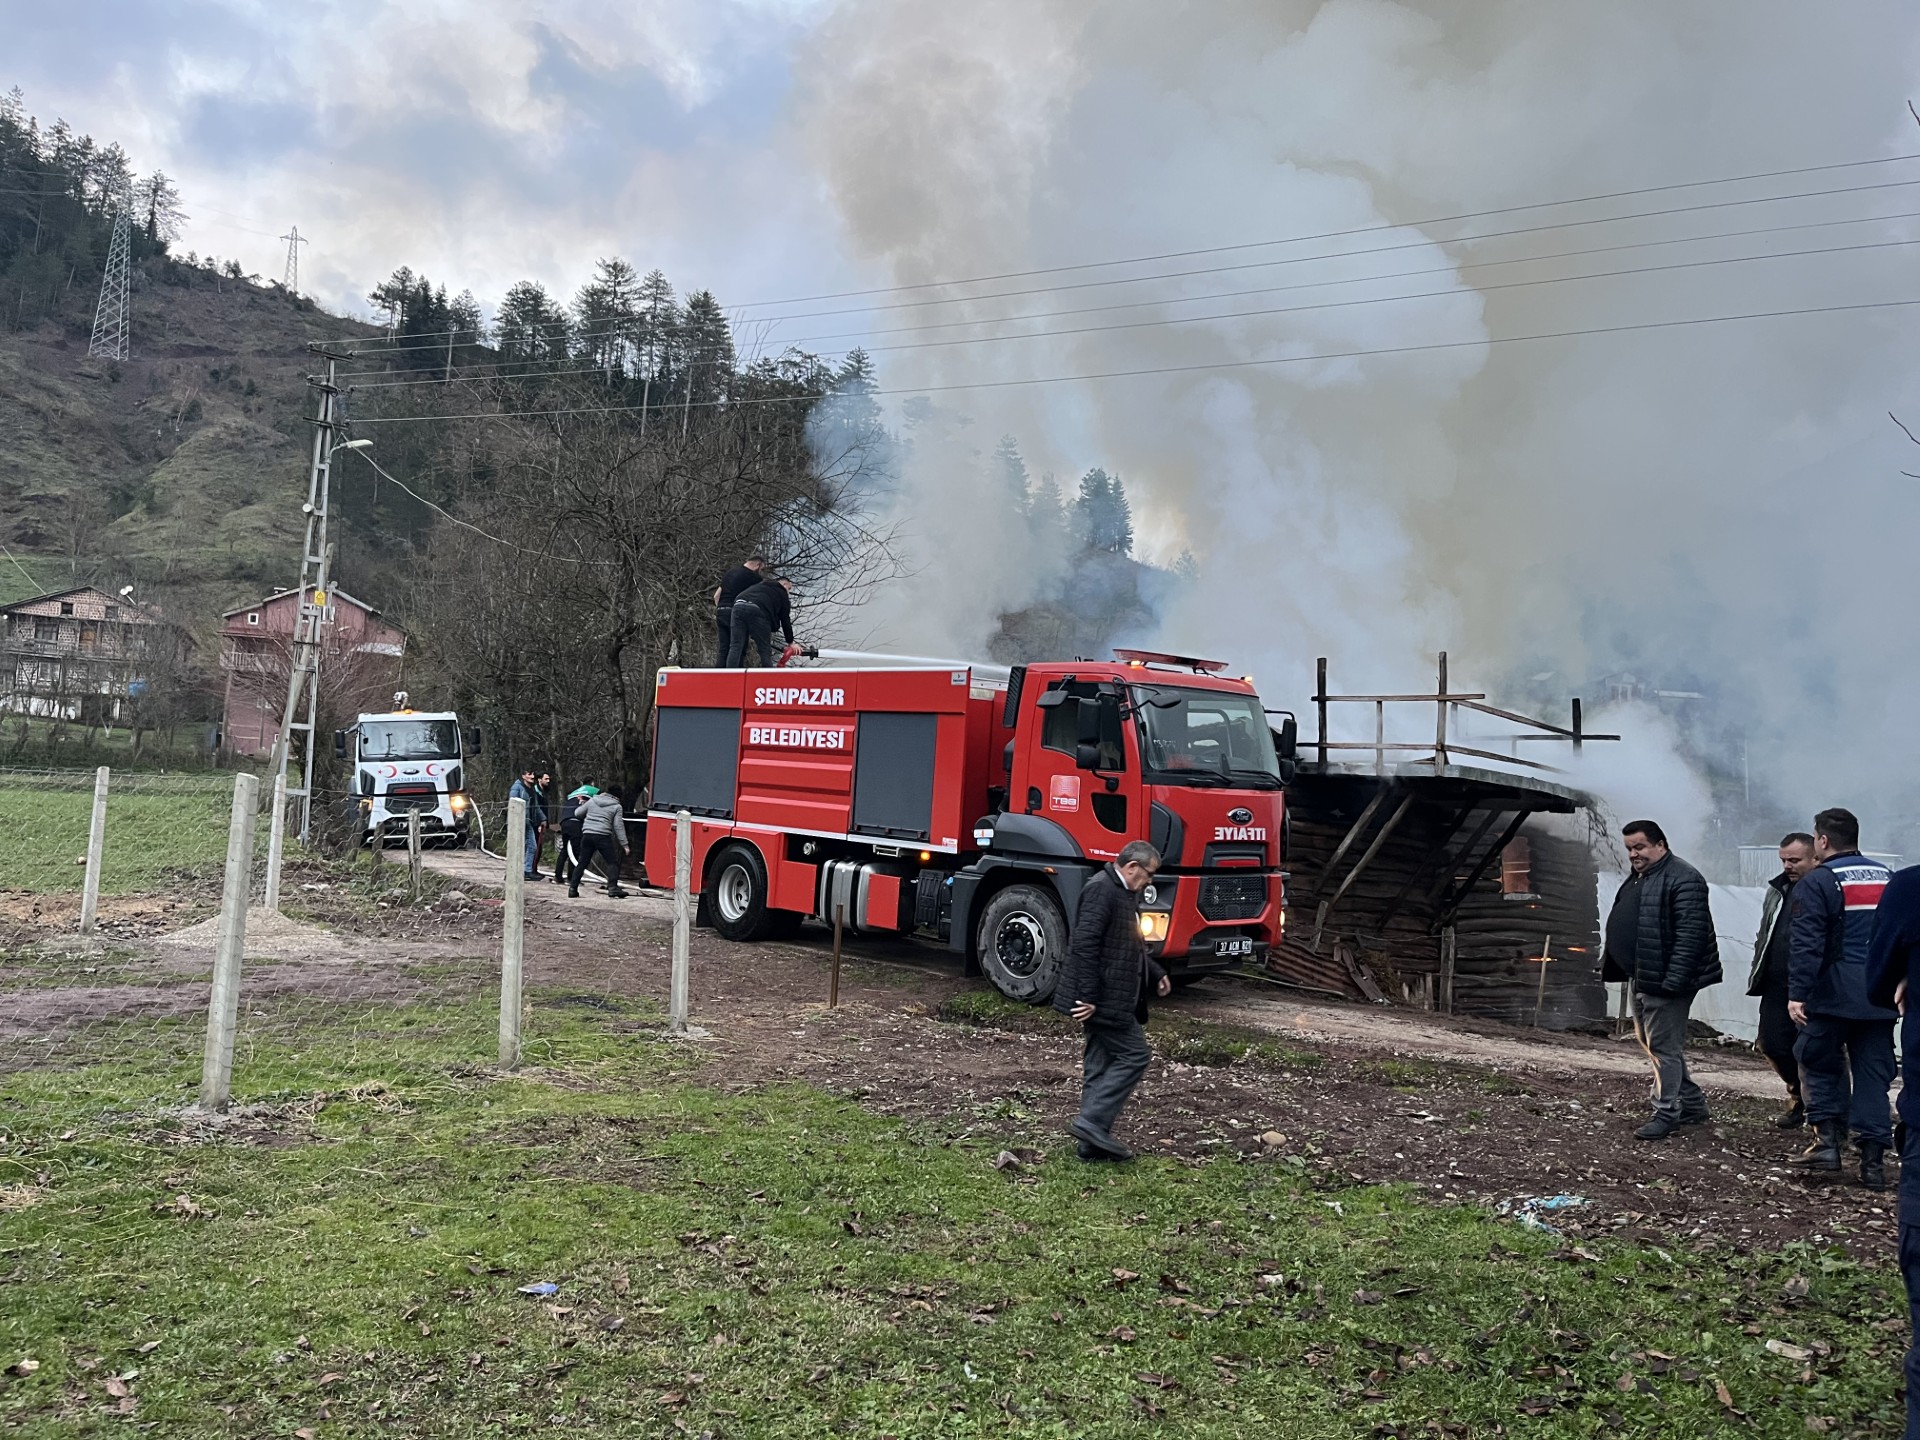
point(403, 760)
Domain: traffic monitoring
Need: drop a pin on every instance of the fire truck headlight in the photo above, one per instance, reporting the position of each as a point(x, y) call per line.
point(366, 807)
point(459, 803)
point(983, 836)
point(1153, 925)
point(1150, 895)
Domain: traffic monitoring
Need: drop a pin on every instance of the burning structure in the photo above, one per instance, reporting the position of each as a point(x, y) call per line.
point(1420, 873)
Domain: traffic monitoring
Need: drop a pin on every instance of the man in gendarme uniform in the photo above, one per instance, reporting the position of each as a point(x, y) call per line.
point(1846, 1041)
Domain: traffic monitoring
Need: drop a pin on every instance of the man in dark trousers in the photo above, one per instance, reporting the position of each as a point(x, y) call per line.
point(1846, 1041)
point(572, 848)
point(1660, 940)
point(1893, 972)
point(741, 577)
point(1104, 986)
point(528, 789)
point(762, 606)
point(1768, 978)
point(603, 833)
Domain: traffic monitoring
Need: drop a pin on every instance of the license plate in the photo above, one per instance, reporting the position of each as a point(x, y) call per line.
point(1228, 949)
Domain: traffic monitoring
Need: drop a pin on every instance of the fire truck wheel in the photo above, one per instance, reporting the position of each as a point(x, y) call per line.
point(737, 895)
point(1023, 942)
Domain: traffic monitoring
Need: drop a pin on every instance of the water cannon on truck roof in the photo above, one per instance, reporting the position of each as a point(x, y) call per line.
point(405, 760)
point(971, 803)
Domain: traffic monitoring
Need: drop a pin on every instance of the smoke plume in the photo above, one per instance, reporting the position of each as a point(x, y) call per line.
point(1716, 507)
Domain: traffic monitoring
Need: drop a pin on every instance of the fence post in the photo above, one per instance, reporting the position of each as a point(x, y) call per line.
point(276, 839)
point(682, 921)
point(513, 933)
point(223, 1006)
point(413, 851)
point(96, 852)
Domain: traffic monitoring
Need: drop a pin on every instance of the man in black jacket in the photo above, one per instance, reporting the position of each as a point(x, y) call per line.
point(1893, 974)
point(1104, 986)
point(1768, 978)
point(741, 577)
point(760, 608)
point(1660, 939)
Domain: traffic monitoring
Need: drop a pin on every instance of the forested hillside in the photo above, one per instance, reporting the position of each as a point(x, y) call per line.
point(549, 493)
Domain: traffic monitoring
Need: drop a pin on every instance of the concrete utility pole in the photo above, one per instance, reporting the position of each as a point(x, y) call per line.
point(314, 603)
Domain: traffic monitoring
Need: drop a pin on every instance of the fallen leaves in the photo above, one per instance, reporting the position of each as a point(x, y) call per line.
point(183, 1208)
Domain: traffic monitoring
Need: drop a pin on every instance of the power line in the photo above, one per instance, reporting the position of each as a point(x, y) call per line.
point(1336, 234)
point(922, 328)
point(466, 525)
point(1203, 366)
point(1165, 321)
point(1423, 242)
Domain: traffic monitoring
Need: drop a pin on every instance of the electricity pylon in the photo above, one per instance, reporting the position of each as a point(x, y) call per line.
point(110, 331)
point(294, 240)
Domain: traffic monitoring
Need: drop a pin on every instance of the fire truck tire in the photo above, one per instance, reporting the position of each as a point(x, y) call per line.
point(736, 894)
point(1022, 940)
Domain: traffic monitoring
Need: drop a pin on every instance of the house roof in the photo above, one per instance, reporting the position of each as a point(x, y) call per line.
point(145, 609)
point(338, 594)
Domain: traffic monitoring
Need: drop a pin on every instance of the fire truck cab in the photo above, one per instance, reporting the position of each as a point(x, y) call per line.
point(972, 804)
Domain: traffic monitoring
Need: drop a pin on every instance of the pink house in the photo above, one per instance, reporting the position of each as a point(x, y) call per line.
point(359, 665)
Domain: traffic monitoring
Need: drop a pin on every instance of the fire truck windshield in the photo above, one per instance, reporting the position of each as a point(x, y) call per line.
point(410, 740)
point(1205, 737)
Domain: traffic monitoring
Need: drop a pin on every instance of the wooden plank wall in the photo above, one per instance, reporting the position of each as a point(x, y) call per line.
point(1494, 936)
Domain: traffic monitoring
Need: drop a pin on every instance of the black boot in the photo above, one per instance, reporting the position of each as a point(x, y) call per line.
point(1873, 1165)
point(1824, 1153)
point(1794, 1116)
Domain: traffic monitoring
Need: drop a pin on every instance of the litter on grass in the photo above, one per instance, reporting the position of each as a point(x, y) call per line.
point(539, 1287)
point(1526, 1209)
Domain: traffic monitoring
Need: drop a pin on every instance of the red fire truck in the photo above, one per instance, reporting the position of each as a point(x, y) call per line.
point(971, 803)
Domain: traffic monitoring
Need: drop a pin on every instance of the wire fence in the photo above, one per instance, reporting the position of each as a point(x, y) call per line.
point(361, 959)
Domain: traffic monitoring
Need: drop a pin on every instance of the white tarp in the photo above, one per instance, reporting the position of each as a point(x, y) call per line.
point(1736, 918)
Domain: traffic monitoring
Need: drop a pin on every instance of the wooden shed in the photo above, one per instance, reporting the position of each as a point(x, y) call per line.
point(1444, 889)
point(1417, 879)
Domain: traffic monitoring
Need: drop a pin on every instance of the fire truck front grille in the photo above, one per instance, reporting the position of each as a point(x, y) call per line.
point(1232, 897)
point(411, 797)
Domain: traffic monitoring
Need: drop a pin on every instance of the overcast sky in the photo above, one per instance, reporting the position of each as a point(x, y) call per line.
point(481, 142)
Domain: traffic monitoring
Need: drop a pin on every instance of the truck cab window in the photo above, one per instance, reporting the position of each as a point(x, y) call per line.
point(1060, 726)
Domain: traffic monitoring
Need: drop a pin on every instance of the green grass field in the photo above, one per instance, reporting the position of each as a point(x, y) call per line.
point(152, 835)
point(345, 1261)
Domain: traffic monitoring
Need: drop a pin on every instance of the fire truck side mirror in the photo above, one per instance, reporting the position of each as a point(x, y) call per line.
point(1287, 739)
point(1086, 755)
point(470, 740)
point(340, 743)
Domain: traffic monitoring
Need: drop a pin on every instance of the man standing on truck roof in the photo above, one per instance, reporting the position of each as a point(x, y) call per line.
point(741, 577)
point(756, 612)
point(1104, 986)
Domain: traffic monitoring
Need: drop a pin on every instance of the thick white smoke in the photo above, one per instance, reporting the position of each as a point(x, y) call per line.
point(1718, 505)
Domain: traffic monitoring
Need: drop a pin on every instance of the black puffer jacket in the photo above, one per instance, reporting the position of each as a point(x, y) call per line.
point(1676, 950)
point(1107, 960)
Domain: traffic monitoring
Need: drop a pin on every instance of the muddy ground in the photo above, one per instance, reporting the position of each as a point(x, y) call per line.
point(1465, 1111)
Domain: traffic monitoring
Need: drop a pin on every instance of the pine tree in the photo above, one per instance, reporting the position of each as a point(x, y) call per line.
point(1101, 511)
point(705, 342)
point(604, 314)
point(530, 328)
point(156, 200)
point(1008, 476)
point(654, 311)
point(463, 318)
point(1047, 514)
